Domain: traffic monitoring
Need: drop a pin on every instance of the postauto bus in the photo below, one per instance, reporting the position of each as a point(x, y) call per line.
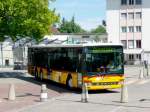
point(98, 65)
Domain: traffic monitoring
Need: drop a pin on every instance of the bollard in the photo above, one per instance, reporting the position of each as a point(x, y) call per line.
point(84, 96)
point(147, 70)
point(43, 96)
point(141, 75)
point(11, 94)
point(124, 94)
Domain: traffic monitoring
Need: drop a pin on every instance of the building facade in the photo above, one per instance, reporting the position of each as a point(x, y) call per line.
point(128, 23)
point(6, 54)
point(13, 53)
point(76, 38)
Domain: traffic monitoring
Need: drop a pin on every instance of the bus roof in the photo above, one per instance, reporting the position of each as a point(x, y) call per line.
point(76, 45)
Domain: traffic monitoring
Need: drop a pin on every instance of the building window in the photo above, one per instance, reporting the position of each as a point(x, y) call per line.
point(131, 2)
point(123, 2)
point(138, 15)
point(123, 15)
point(131, 57)
point(138, 2)
point(6, 62)
point(124, 42)
point(138, 29)
point(138, 43)
point(85, 36)
point(123, 29)
point(130, 44)
point(138, 56)
point(131, 29)
point(131, 15)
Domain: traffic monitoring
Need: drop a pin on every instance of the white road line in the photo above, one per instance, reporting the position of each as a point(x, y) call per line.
point(116, 109)
point(143, 82)
point(137, 81)
point(131, 81)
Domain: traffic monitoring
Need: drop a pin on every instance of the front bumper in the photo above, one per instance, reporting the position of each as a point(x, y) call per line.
point(100, 87)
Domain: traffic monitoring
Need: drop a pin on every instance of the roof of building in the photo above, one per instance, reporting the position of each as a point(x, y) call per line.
point(86, 33)
point(54, 30)
point(76, 45)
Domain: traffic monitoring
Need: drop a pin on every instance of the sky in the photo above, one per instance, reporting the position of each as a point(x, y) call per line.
point(88, 13)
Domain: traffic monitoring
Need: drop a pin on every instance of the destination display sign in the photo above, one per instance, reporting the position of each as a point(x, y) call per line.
point(103, 49)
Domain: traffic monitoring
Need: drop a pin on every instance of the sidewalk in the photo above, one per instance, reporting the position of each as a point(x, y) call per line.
point(103, 101)
point(98, 102)
point(26, 88)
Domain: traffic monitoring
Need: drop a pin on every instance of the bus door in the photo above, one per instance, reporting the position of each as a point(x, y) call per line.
point(49, 69)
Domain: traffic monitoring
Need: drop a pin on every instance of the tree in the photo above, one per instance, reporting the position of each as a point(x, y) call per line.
point(70, 26)
point(21, 18)
point(99, 29)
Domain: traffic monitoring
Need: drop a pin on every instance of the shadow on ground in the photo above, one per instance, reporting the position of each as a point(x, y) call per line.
point(50, 85)
point(113, 103)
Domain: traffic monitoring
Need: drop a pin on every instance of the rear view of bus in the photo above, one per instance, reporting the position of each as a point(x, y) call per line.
point(103, 66)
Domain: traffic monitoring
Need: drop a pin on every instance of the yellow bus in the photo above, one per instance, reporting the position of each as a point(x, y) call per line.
point(98, 65)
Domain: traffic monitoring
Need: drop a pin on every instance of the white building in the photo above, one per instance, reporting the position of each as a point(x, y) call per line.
point(6, 54)
point(74, 38)
point(128, 22)
point(13, 53)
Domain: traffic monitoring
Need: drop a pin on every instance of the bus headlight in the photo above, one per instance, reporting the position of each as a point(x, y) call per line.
point(89, 84)
point(121, 82)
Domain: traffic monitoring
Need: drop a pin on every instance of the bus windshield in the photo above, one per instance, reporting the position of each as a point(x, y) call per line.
point(104, 62)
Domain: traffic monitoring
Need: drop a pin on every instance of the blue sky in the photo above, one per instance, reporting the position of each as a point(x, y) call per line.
point(88, 13)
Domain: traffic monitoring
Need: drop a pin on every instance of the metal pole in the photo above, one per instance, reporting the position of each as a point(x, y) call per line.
point(2, 53)
point(23, 51)
point(147, 69)
point(84, 95)
point(124, 94)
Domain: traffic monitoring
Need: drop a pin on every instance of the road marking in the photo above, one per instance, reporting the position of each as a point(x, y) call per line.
point(131, 82)
point(143, 82)
point(116, 109)
point(137, 81)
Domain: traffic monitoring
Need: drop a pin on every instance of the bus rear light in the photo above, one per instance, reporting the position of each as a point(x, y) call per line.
point(89, 84)
point(121, 82)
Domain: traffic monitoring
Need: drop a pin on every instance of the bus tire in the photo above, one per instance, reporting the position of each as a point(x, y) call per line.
point(69, 82)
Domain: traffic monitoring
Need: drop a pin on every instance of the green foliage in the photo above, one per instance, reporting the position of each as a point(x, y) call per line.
point(70, 26)
point(23, 18)
point(99, 29)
